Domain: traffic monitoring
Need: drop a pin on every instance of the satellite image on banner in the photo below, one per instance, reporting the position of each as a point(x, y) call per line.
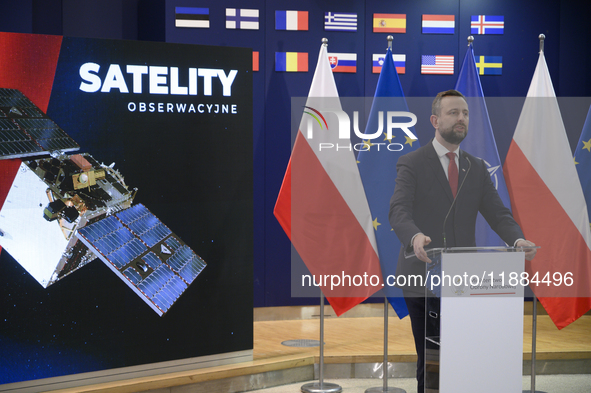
point(55, 196)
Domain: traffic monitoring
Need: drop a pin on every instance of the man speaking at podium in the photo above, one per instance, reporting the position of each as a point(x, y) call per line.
point(439, 191)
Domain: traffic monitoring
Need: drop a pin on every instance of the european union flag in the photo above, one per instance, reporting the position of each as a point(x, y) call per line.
point(583, 161)
point(480, 142)
point(377, 167)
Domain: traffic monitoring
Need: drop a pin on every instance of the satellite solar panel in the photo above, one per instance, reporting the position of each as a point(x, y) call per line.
point(186, 263)
point(18, 101)
point(10, 135)
point(145, 254)
point(173, 243)
point(101, 228)
point(47, 134)
point(152, 260)
point(132, 275)
point(25, 131)
point(145, 224)
point(7, 125)
point(19, 149)
point(13, 141)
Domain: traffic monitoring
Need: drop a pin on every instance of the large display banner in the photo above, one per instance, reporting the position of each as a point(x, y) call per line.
point(126, 206)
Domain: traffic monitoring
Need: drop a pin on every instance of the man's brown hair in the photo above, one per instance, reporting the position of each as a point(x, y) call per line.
point(436, 107)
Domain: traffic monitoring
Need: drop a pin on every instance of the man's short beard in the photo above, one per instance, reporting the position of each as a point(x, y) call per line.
point(455, 138)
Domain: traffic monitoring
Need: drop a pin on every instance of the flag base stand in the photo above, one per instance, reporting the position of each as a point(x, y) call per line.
point(385, 388)
point(321, 386)
point(534, 332)
point(317, 387)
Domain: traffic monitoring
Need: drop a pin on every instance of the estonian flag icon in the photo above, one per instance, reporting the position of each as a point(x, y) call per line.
point(191, 17)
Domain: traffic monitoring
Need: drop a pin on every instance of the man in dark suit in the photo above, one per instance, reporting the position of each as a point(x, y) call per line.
point(428, 180)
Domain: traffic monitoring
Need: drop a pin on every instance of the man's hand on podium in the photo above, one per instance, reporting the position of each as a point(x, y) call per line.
point(530, 253)
point(418, 244)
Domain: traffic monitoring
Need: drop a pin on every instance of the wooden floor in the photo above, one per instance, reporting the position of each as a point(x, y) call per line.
point(360, 340)
point(349, 339)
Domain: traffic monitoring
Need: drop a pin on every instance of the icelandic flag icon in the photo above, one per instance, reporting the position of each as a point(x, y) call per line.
point(487, 24)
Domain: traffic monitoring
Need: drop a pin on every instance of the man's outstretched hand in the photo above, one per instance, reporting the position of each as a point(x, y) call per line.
point(418, 245)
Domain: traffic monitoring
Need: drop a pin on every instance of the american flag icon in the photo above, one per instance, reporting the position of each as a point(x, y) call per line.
point(437, 64)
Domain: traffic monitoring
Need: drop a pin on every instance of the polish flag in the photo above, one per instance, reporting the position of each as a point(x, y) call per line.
point(549, 205)
point(322, 205)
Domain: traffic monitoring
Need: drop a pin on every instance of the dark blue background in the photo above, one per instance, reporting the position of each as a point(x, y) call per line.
point(567, 50)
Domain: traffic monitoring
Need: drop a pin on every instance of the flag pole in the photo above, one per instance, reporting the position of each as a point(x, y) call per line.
point(533, 340)
point(321, 386)
point(385, 387)
point(534, 325)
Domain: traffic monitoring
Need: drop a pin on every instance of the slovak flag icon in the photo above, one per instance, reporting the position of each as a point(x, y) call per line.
point(343, 62)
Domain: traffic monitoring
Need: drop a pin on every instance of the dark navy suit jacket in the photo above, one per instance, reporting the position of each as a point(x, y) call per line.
point(422, 198)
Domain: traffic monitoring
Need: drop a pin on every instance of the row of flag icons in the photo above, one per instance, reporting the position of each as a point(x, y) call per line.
point(240, 18)
point(347, 62)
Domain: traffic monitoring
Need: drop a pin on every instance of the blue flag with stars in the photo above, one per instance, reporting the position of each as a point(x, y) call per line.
point(480, 142)
point(377, 167)
point(583, 161)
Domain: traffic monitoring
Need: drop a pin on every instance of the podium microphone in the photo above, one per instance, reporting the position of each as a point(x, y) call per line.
point(454, 202)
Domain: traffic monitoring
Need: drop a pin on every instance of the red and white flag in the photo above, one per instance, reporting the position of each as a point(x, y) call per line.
point(322, 206)
point(549, 205)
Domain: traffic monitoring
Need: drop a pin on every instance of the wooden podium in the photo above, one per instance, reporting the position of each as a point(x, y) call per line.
point(474, 320)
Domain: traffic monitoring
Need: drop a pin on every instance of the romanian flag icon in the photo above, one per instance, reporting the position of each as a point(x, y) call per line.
point(389, 23)
point(291, 61)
